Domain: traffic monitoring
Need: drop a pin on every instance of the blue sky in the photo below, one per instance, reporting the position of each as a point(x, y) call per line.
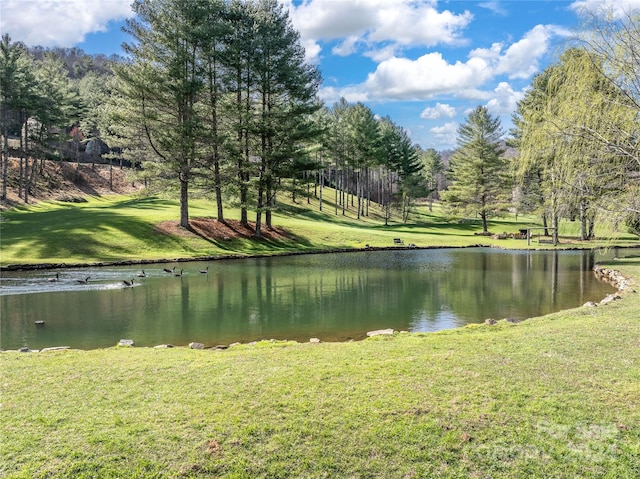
point(425, 63)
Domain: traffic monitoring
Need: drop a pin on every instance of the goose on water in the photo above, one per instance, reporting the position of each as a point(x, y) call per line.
point(167, 270)
point(127, 283)
point(141, 274)
point(179, 274)
point(205, 271)
point(83, 281)
point(56, 279)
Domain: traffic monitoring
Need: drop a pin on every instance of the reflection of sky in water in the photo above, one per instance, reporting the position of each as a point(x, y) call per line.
point(421, 322)
point(334, 297)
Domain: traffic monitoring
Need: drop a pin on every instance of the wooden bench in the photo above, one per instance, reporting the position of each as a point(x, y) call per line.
point(397, 241)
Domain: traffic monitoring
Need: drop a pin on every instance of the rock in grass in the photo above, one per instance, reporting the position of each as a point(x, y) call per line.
point(196, 346)
point(490, 321)
point(610, 298)
point(55, 348)
point(381, 332)
point(163, 346)
point(314, 341)
point(127, 342)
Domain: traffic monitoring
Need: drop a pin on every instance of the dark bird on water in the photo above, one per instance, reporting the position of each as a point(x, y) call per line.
point(179, 274)
point(83, 281)
point(141, 274)
point(56, 279)
point(167, 270)
point(205, 271)
point(127, 283)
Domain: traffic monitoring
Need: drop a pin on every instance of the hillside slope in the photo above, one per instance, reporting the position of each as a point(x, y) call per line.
point(65, 181)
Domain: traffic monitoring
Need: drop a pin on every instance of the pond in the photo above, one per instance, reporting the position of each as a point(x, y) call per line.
point(333, 297)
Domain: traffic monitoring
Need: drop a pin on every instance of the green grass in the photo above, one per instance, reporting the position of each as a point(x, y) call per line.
point(552, 397)
point(118, 228)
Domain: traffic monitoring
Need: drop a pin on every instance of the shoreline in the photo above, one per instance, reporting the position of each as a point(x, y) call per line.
point(612, 276)
point(101, 264)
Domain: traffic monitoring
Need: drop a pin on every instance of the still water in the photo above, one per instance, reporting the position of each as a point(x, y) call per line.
point(334, 297)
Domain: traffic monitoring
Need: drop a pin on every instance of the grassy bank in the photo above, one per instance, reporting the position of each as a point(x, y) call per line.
point(122, 228)
point(557, 396)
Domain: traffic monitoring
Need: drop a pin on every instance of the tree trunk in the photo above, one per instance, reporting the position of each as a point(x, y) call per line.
point(357, 175)
point(321, 188)
point(32, 181)
point(5, 162)
point(26, 162)
point(335, 187)
point(184, 202)
point(271, 202)
point(583, 221)
point(485, 228)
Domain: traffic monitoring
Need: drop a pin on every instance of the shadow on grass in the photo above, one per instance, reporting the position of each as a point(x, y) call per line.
point(92, 231)
point(254, 244)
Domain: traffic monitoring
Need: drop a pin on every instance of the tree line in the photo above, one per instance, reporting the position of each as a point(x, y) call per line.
point(577, 134)
point(214, 97)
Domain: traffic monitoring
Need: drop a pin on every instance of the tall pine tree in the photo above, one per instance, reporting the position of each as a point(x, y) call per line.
point(477, 169)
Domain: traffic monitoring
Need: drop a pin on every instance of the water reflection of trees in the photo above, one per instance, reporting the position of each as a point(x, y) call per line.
point(334, 297)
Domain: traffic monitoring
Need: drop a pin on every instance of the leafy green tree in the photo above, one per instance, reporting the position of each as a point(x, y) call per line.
point(286, 88)
point(16, 93)
point(560, 125)
point(363, 140)
point(433, 167)
point(55, 106)
point(477, 169)
point(400, 163)
point(212, 51)
point(239, 84)
point(163, 82)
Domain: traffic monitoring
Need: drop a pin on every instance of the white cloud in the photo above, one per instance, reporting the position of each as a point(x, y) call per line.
point(494, 6)
point(522, 58)
point(352, 94)
point(618, 8)
point(490, 54)
point(367, 22)
point(438, 111)
point(414, 24)
point(61, 23)
point(347, 47)
point(445, 135)
point(404, 79)
point(399, 78)
point(383, 53)
point(504, 100)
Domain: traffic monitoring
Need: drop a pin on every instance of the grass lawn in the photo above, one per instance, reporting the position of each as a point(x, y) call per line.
point(117, 228)
point(552, 397)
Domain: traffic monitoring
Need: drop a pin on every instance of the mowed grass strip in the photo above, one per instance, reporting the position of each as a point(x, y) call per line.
point(553, 397)
point(122, 228)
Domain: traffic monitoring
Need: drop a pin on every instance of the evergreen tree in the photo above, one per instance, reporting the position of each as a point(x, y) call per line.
point(477, 169)
point(163, 82)
point(433, 168)
point(285, 95)
point(16, 93)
